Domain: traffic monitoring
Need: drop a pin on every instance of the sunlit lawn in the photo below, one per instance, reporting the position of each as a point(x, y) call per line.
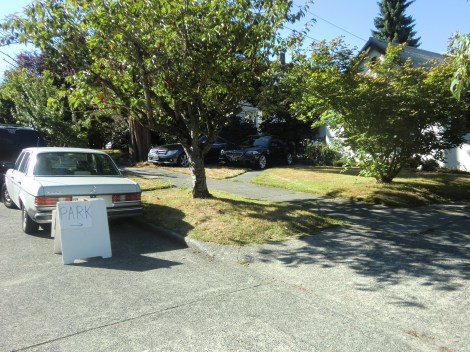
point(409, 189)
point(149, 183)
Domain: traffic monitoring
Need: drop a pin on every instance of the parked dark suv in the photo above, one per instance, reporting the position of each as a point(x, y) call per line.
point(259, 151)
point(13, 139)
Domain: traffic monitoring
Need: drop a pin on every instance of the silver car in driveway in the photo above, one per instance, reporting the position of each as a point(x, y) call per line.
point(43, 176)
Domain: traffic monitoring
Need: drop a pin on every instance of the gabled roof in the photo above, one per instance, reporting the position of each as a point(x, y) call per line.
point(418, 56)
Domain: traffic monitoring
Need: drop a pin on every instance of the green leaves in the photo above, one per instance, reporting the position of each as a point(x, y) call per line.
point(387, 115)
point(39, 100)
point(459, 48)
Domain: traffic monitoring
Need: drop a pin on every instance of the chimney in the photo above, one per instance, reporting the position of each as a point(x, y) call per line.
point(281, 57)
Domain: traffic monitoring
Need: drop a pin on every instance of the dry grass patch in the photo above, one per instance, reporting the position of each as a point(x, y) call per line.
point(214, 171)
point(409, 189)
point(229, 219)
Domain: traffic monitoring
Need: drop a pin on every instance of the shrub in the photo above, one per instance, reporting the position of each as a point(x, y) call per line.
point(429, 165)
point(322, 155)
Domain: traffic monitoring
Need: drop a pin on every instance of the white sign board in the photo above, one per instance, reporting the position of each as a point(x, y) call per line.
point(80, 230)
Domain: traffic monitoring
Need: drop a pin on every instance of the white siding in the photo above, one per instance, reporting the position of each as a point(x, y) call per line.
point(458, 158)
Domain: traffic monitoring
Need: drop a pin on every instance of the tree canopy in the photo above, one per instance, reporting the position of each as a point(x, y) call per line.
point(178, 66)
point(393, 25)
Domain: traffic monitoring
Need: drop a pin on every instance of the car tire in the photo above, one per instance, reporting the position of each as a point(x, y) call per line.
point(183, 160)
point(29, 225)
point(6, 199)
point(262, 162)
point(289, 159)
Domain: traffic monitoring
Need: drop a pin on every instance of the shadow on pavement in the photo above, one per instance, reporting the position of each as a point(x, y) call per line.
point(134, 249)
point(389, 245)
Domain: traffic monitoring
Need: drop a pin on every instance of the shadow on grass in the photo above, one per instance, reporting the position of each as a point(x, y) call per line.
point(389, 245)
point(273, 222)
point(428, 188)
point(327, 169)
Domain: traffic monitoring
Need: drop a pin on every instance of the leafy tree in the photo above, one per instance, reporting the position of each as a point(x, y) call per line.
point(179, 66)
point(38, 101)
point(387, 116)
point(6, 108)
point(459, 48)
point(275, 102)
point(393, 25)
point(238, 130)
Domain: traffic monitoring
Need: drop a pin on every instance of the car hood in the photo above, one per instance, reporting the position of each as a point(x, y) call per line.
point(86, 185)
point(168, 147)
point(244, 150)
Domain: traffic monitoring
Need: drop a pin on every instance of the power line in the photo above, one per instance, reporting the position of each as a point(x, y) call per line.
point(334, 25)
point(296, 31)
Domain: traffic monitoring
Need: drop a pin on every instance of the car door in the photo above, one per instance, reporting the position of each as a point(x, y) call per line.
point(17, 176)
point(277, 152)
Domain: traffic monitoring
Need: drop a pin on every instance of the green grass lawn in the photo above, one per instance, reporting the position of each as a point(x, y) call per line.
point(407, 190)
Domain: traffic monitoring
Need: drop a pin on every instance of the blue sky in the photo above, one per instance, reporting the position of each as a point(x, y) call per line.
point(435, 21)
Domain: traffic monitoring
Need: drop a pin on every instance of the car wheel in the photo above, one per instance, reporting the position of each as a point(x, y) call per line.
point(183, 160)
point(29, 225)
point(262, 162)
point(289, 159)
point(6, 198)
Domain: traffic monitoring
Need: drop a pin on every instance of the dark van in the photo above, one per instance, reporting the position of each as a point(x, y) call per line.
point(13, 139)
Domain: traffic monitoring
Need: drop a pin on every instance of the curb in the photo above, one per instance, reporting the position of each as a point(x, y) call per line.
point(189, 242)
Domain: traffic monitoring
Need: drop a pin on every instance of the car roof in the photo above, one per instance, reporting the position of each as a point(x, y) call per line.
point(63, 150)
point(15, 127)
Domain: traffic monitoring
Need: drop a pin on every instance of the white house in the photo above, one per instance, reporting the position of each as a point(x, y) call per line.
point(250, 113)
point(457, 158)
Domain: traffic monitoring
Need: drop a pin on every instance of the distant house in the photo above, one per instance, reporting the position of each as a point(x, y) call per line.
point(456, 158)
point(250, 113)
point(375, 49)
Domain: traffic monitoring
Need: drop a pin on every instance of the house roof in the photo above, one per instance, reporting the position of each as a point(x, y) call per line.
point(418, 56)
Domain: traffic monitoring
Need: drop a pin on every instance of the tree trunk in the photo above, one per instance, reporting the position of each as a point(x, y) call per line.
point(198, 173)
point(139, 143)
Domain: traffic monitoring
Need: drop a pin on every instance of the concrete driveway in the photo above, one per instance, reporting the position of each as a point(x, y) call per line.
point(361, 287)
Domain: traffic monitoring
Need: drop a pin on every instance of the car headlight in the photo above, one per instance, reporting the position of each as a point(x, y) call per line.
point(222, 152)
point(252, 152)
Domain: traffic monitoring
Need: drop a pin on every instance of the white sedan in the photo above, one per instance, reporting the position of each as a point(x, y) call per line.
point(44, 176)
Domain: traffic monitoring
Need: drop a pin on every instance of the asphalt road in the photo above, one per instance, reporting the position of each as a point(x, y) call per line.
point(348, 289)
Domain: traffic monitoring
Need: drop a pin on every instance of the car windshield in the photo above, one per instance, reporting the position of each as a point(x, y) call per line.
point(257, 141)
point(74, 164)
